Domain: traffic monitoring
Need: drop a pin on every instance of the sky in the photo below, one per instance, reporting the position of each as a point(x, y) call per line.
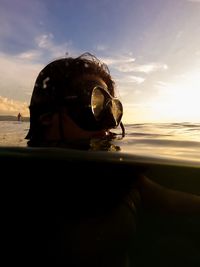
point(152, 48)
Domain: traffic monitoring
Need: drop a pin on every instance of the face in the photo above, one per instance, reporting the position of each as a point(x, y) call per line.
point(60, 126)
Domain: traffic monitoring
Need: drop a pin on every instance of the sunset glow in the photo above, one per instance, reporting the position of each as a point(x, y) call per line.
point(152, 51)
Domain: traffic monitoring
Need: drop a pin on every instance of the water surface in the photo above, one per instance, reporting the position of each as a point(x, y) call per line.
point(166, 140)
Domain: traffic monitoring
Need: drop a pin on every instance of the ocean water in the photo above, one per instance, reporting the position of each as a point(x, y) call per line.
point(12, 133)
point(163, 140)
point(166, 140)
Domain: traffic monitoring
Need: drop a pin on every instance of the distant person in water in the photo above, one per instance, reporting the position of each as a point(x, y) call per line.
point(19, 117)
point(74, 99)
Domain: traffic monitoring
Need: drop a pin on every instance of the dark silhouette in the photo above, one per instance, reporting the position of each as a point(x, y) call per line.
point(19, 117)
point(74, 102)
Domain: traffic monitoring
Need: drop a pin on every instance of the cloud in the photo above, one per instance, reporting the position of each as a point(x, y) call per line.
point(18, 71)
point(13, 107)
point(128, 64)
point(44, 41)
point(151, 67)
point(46, 45)
point(20, 21)
point(197, 53)
point(136, 79)
point(17, 77)
point(196, 1)
point(101, 47)
point(161, 84)
point(23, 29)
point(130, 79)
point(31, 55)
point(144, 68)
point(114, 61)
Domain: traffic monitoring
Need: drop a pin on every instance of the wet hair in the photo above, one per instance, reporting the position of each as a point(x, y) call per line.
point(55, 82)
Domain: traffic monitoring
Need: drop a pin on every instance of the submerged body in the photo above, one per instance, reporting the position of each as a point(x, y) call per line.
point(90, 219)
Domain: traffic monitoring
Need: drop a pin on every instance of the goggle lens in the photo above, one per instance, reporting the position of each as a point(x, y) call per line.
point(116, 109)
point(97, 102)
point(103, 104)
point(94, 108)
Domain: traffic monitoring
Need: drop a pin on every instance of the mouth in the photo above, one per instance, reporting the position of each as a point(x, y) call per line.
point(101, 134)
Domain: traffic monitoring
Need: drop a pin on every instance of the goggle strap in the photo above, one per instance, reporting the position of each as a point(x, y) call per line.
point(123, 129)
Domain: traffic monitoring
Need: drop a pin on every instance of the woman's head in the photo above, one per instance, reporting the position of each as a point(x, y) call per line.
point(73, 98)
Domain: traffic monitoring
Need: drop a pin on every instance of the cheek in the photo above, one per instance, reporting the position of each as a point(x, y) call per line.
point(51, 129)
point(73, 131)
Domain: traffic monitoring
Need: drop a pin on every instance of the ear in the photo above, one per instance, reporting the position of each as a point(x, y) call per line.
point(46, 119)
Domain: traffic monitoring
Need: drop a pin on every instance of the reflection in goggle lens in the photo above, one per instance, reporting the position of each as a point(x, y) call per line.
point(116, 110)
point(102, 103)
point(97, 102)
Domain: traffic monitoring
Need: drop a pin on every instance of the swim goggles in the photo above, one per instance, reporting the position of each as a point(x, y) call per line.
point(94, 108)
